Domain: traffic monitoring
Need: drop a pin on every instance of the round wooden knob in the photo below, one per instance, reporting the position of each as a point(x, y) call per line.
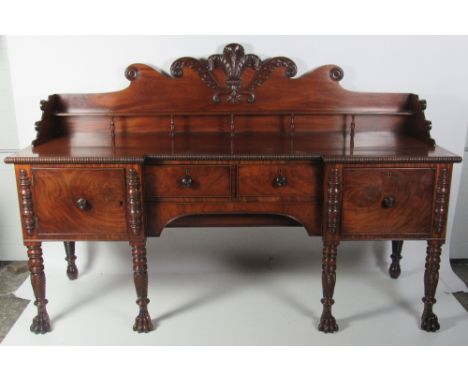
point(186, 181)
point(280, 181)
point(82, 204)
point(388, 202)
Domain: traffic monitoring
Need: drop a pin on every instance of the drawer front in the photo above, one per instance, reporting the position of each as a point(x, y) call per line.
point(387, 201)
point(80, 201)
point(178, 181)
point(298, 180)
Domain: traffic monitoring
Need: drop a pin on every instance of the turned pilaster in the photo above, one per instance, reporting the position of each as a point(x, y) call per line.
point(134, 202)
point(26, 202)
point(334, 201)
point(441, 201)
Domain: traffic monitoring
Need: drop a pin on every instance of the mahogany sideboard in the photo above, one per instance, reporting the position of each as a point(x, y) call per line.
point(233, 140)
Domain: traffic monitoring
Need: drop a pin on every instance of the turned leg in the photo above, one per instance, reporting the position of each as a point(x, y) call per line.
point(41, 323)
point(72, 270)
point(429, 321)
point(395, 269)
point(143, 322)
point(327, 321)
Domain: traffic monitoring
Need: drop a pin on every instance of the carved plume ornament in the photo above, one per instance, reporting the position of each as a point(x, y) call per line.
point(233, 62)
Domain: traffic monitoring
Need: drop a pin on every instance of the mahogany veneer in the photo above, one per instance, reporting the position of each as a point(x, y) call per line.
point(99, 196)
point(233, 141)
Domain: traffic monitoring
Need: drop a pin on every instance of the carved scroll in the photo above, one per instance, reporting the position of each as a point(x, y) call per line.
point(134, 201)
point(45, 128)
point(441, 201)
point(334, 189)
point(233, 62)
point(421, 127)
point(27, 210)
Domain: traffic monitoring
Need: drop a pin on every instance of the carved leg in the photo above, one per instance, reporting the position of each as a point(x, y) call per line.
point(41, 323)
point(327, 321)
point(429, 321)
point(143, 322)
point(72, 270)
point(395, 269)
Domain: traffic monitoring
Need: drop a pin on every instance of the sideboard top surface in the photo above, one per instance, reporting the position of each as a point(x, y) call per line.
point(89, 147)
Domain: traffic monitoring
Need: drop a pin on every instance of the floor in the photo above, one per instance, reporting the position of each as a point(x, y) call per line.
point(13, 274)
point(460, 267)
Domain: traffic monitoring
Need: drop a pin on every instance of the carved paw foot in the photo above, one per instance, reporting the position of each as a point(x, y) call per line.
point(41, 323)
point(430, 323)
point(72, 272)
point(394, 271)
point(328, 324)
point(143, 323)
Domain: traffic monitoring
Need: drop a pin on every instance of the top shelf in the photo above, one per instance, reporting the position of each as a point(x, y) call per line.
point(243, 113)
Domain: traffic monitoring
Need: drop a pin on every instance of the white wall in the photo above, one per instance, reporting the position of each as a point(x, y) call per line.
point(433, 67)
point(459, 240)
point(10, 229)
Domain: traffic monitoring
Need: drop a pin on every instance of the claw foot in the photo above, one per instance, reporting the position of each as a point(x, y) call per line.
point(41, 323)
point(143, 323)
point(394, 271)
point(430, 323)
point(72, 272)
point(328, 324)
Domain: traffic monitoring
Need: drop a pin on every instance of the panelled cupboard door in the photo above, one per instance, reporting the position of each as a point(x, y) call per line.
point(387, 201)
point(80, 201)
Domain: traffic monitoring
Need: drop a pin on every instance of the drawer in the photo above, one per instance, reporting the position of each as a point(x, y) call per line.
point(178, 181)
point(80, 201)
point(279, 180)
point(387, 201)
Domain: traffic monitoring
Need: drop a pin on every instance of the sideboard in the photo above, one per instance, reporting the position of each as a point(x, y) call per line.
point(233, 140)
